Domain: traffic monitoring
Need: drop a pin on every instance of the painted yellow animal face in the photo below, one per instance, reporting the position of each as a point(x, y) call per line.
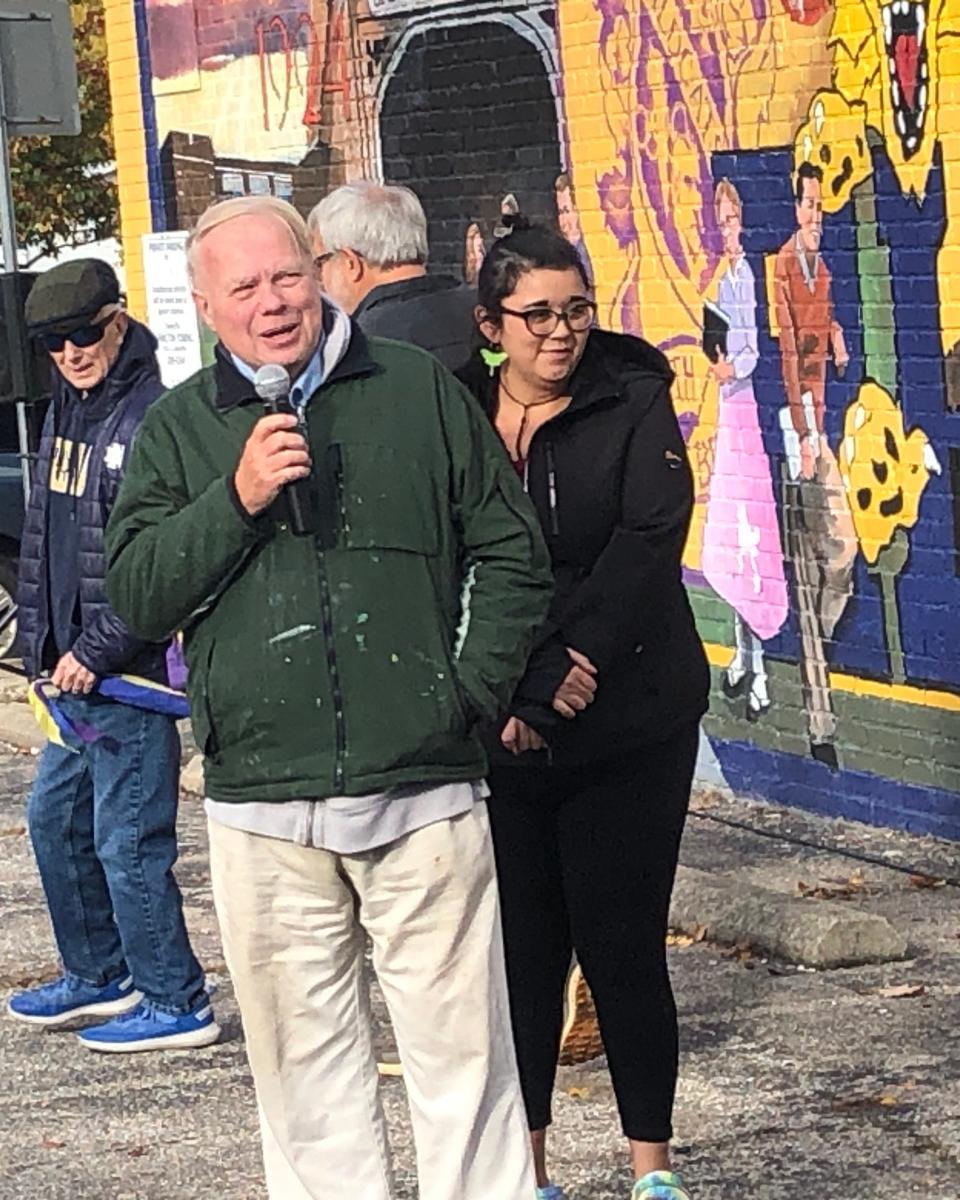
point(885, 469)
point(834, 138)
point(887, 53)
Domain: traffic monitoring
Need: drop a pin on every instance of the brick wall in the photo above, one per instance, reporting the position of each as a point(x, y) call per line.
point(791, 163)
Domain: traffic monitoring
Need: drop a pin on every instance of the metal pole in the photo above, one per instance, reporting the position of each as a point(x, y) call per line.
point(8, 227)
point(8, 235)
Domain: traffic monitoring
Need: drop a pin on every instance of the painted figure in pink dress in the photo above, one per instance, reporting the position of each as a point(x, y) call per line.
point(742, 552)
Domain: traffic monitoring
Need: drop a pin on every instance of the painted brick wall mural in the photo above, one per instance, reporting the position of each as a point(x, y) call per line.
point(765, 189)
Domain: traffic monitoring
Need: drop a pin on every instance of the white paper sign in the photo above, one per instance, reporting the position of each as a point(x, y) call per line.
point(171, 313)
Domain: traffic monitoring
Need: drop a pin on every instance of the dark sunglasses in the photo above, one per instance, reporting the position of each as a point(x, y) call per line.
point(86, 335)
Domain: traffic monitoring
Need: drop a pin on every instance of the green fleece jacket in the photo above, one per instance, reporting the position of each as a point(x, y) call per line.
point(362, 658)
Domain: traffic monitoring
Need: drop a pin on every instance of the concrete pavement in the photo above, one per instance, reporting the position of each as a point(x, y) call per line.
point(795, 1083)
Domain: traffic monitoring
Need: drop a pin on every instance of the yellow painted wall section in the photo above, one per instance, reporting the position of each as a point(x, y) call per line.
point(135, 218)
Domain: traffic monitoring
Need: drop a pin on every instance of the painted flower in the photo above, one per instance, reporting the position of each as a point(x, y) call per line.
point(884, 468)
point(834, 138)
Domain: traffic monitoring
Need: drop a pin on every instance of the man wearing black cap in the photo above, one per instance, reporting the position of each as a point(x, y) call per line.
point(102, 814)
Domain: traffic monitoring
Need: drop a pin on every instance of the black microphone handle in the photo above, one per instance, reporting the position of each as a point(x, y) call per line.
point(298, 494)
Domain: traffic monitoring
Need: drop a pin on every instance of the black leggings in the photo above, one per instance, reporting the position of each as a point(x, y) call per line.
point(586, 859)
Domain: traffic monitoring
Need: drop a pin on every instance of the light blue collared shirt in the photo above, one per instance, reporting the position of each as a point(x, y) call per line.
point(305, 384)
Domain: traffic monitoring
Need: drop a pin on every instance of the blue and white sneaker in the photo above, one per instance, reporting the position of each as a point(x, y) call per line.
point(66, 998)
point(660, 1185)
point(553, 1191)
point(149, 1028)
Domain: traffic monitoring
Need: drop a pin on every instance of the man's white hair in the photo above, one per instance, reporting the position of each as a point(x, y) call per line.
point(221, 211)
point(385, 225)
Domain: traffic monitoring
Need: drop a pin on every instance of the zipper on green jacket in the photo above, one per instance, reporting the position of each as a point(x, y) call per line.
point(333, 670)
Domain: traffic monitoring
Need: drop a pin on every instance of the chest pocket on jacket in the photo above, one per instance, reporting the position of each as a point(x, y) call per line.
point(386, 499)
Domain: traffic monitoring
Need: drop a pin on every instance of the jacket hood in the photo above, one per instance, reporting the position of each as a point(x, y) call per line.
point(611, 360)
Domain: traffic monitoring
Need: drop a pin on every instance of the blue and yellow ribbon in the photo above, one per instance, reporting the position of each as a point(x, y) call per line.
point(73, 734)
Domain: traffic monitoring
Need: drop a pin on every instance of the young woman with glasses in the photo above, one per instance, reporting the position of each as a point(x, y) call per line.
point(592, 766)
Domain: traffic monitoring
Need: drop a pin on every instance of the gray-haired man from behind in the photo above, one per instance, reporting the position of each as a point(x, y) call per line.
point(370, 243)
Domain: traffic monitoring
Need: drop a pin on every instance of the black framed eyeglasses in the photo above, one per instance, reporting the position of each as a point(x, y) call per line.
point(541, 322)
point(86, 335)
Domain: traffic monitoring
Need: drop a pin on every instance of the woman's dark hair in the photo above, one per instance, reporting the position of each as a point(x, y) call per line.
point(527, 247)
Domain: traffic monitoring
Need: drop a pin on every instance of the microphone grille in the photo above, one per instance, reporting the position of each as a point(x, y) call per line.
point(271, 381)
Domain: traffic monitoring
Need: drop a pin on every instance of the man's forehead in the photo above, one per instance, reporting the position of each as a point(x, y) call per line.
point(249, 246)
point(251, 232)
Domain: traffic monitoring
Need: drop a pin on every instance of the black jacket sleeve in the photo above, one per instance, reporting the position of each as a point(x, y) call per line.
point(106, 646)
point(611, 611)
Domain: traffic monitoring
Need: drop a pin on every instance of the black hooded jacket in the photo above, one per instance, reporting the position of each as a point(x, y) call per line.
point(611, 484)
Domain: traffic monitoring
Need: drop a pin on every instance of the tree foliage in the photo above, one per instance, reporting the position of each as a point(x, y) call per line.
point(64, 189)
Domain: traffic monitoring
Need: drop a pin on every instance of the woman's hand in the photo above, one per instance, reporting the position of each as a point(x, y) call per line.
point(518, 737)
point(578, 689)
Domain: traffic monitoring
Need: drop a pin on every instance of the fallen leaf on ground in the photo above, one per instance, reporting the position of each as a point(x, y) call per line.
point(927, 881)
point(52, 1144)
point(679, 939)
point(743, 952)
point(901, 991)
point(835, 889)
point(579, 1093)
point(852, 1103)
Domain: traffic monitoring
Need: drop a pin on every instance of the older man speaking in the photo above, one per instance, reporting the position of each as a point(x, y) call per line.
point(335, 683)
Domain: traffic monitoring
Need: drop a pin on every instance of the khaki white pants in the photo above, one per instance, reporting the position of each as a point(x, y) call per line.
point(292, 921)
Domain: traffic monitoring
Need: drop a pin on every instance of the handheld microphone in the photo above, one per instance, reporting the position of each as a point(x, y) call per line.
point(272, 385)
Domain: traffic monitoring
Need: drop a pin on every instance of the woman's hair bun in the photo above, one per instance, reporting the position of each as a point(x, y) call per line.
point(515, 223)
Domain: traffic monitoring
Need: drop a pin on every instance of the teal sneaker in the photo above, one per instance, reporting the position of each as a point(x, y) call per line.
point(660, 1185)
point(551, 1192)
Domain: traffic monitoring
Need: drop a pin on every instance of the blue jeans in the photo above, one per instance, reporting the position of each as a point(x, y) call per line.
point(103, 826)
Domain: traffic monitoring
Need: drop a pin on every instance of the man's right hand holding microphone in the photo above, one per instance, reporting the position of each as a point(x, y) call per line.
point(276, 453)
